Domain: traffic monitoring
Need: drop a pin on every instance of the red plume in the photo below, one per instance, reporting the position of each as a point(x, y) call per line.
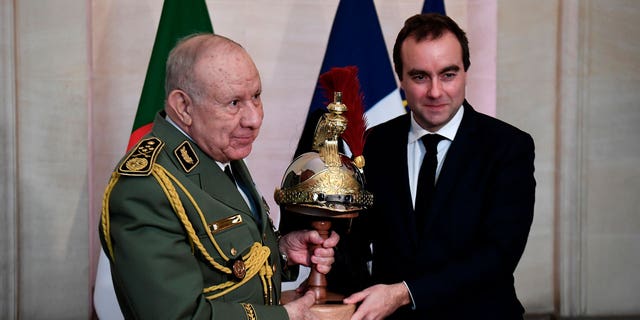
point(345, 80)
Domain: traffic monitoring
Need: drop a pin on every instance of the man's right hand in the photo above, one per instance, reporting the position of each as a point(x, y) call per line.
point(299, 309)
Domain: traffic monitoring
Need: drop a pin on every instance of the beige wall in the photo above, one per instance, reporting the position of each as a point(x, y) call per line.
point(44, 217)
point(607, 179)
point(526, 73)
point(566, 72)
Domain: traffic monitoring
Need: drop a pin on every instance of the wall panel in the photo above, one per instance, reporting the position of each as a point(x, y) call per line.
point(8, 176)
point(611, 155)
point(526, 86)
point(51, 97)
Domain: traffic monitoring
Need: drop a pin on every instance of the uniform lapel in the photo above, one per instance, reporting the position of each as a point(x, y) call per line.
point(216, 183)
point(242, 172)
point(206, 173)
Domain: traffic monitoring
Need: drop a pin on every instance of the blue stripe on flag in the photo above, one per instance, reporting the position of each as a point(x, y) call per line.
point(435, 6)
point(356, 39)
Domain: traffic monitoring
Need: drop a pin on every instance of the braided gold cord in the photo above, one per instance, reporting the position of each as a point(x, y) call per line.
point(255, 261)
point(203, 220)
point(163, 178)
point(266, 275)
point(104, 218)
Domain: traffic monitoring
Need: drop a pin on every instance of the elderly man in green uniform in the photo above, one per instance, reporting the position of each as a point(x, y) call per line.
point(184, 239)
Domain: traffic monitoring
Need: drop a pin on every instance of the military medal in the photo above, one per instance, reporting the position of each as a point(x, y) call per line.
point(238, 269)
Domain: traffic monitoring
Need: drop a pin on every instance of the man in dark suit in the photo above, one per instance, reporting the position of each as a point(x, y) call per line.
point(447, 231)
point(184, 239)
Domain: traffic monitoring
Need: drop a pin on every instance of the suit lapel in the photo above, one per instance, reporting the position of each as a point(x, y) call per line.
point(400, 172)
point(394, 149)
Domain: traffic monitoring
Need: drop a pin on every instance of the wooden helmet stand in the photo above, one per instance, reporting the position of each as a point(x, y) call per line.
point(328, 305)
point(324, 185)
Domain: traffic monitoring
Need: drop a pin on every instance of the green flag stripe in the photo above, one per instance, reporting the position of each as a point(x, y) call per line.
point(179, 18)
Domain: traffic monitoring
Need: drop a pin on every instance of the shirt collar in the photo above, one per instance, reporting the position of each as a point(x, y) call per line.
point(168, 118)
point(448, 130)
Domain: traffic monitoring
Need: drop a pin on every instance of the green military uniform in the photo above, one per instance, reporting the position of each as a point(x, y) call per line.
point(181, 240)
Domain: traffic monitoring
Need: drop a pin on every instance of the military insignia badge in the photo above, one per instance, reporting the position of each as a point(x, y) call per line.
point(186, 156)
point(250, 311)
point(238, 268)
point(140, 161)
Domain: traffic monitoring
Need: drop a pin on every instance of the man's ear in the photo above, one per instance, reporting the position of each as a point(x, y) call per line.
point(180, 104)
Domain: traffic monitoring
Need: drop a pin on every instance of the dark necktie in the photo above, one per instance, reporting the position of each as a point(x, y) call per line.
point(426, 178)
point(227, 170)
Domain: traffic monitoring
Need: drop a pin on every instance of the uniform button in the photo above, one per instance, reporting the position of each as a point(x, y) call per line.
point(274, 268)
point(264, 237)
point(234, 251)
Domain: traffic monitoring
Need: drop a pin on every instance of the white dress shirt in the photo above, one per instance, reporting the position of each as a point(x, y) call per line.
point(416, 150)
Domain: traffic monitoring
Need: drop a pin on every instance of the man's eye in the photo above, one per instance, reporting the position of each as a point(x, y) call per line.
point(235, 102)
point(418, 77)
point(448, 76)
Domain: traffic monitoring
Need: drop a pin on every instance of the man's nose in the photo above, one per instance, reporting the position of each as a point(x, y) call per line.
point(435, 90)
point(252, 115)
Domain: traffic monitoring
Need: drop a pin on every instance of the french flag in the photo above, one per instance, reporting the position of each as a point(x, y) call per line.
point(356, 40)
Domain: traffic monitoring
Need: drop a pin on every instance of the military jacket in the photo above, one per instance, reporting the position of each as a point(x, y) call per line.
point(181, 240)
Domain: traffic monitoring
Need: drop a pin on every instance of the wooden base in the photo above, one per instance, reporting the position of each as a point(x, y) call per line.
point(331, 309)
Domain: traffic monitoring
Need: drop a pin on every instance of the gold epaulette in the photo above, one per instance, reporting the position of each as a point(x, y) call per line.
point(140, 160)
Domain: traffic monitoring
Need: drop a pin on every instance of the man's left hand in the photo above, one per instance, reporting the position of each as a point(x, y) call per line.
point(379, 301)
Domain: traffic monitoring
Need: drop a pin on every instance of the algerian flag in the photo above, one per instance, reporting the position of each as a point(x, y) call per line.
point(179, 18)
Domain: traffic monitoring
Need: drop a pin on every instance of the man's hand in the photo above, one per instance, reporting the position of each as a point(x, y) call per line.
point(299, 309)
point(299, 248)
point(379, 301)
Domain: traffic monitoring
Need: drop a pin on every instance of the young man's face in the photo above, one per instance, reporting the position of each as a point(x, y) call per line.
point(433, 79)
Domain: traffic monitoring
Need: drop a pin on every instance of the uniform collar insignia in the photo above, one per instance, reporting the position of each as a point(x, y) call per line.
point(186, 156)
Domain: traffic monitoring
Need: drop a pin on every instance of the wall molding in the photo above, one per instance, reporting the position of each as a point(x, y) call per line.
point(570, 215)
point(9, 259)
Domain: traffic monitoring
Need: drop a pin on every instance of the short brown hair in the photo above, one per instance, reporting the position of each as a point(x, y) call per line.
point(429, 26)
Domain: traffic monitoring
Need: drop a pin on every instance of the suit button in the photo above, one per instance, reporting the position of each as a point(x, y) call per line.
point(234, 251)
point(274, 268)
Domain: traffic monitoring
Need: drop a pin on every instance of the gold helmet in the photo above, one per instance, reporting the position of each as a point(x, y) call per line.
point(325, 182)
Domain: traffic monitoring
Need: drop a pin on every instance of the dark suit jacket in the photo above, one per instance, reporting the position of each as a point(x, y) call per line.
point(460, 263)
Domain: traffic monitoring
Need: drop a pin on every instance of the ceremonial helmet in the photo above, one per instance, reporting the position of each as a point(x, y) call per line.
point(325, 182)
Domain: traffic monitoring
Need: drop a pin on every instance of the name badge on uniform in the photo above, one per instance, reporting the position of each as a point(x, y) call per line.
point(224, 224)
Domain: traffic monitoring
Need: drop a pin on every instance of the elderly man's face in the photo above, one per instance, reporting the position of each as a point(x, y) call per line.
point(227, 119)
